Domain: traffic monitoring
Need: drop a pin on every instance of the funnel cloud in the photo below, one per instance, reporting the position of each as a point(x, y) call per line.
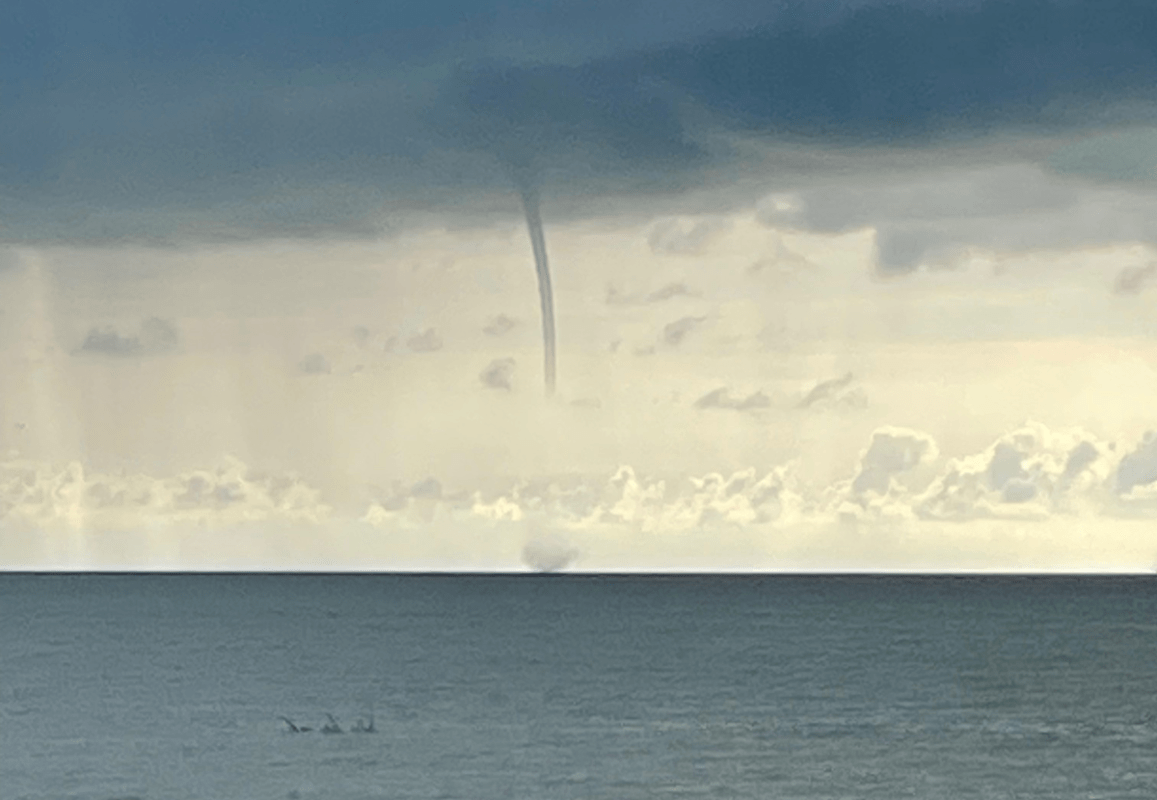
point(545, 295)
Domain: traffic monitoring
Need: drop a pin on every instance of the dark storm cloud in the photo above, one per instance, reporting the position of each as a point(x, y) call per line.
point(161, 120)
point(929, 215)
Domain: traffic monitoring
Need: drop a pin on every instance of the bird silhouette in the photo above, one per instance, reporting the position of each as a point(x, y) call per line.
point(362, 727)
point(295, 728)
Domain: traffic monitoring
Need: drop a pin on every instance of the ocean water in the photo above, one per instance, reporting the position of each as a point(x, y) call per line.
point(577, 686)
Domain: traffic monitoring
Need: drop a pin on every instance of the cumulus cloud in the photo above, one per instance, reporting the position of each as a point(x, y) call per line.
point(426, 342)
point(499, 374)
point(1132, 280)
point(892, 452)
point(419, 504)
point(902, 499)
point(1139, 467)
point(721, 398)
point(652, 505)
point(228, 493)
point(500, 325)
point(156, 337)
point(675, 332)
point(1028, 473)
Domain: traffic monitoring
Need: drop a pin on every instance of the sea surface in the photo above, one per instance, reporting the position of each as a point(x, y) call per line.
point(577, 686)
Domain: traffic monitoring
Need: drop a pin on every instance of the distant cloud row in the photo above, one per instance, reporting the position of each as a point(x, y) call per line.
point(1029, 473)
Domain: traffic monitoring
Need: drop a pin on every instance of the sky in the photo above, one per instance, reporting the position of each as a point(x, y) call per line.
point(838, 285)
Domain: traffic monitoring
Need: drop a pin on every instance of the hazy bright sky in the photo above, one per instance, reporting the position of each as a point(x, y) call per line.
point(841, 284)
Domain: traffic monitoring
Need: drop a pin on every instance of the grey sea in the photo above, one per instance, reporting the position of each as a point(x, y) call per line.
point(576, 686)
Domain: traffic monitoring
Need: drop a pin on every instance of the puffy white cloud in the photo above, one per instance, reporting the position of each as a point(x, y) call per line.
point(227, 494)
point(903, 504)
point(1139, 467)
point(412, 506)
point(1029, 473)
point(892, 452)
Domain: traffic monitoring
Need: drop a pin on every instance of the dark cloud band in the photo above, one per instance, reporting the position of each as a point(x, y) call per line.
point(163, 121)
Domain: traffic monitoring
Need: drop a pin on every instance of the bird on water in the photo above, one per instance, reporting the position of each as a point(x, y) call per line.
point(362, 727)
